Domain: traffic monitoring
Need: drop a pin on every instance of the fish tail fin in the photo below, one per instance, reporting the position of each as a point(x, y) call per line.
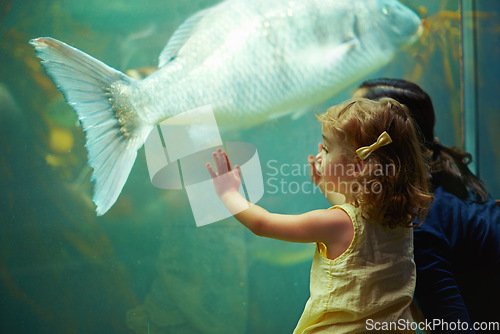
point(100, 95)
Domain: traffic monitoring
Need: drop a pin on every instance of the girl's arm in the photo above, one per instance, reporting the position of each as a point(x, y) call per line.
point(327, 226)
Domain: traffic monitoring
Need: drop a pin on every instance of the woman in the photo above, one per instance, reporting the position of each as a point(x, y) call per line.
point(457, 249)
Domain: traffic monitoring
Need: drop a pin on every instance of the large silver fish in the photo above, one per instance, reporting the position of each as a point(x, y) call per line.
point(251, 60)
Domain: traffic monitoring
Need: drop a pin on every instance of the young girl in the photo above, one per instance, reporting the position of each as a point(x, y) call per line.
point(457, 249)
point(363, 274)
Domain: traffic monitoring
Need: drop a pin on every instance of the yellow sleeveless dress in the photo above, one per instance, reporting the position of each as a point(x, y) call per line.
point(370, 284)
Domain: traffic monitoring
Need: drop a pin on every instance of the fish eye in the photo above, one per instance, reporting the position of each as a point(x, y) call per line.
point(386, 10)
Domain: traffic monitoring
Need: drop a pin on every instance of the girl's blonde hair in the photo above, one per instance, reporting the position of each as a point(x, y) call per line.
point(395, 177)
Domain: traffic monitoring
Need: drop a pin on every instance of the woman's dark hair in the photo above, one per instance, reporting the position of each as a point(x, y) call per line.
point(449, 165)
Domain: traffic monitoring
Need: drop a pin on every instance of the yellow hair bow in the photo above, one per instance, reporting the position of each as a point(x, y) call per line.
point(365, 151)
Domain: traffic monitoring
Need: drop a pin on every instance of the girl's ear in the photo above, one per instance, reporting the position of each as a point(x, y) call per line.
point(359, 165)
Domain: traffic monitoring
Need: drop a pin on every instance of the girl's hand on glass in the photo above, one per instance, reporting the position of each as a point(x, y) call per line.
point(314, 172)
point(226, 179)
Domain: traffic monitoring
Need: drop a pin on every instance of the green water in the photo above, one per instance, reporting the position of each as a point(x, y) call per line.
point(145, 267)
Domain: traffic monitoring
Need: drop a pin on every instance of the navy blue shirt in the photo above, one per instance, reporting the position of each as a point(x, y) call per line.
point(457, 253)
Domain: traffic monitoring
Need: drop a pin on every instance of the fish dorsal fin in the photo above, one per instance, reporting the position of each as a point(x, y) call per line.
point(180, 36)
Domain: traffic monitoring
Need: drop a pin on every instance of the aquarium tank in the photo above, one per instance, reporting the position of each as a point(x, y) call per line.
point(145, 266)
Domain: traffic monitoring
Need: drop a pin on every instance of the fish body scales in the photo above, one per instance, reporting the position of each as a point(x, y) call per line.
point(261, 58)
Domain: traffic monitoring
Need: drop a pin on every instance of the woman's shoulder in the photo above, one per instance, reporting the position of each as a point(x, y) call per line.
point(448, 203)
